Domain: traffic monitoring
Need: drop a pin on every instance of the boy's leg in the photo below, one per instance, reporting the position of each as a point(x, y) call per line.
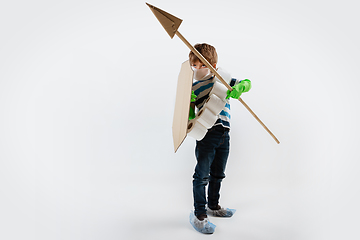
point(217, 170)
point(205, 153)
point(201, 178)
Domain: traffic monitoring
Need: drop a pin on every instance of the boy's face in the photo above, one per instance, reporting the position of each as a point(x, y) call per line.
point(201, 71)
point(198, 65)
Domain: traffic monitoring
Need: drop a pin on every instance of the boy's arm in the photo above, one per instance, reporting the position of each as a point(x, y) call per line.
point(238, 89)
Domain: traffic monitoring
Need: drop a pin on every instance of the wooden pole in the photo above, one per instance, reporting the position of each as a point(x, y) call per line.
point(212, 69)
point(258, 119)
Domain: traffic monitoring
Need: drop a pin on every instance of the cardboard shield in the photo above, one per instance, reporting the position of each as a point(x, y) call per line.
point(182, 104)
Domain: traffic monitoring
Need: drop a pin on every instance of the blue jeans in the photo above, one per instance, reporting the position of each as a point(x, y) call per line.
point(211, 154)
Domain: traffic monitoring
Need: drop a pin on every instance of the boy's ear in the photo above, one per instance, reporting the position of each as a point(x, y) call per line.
point(214, 65)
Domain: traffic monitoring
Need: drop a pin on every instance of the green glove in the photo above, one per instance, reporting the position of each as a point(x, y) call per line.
point(193, 97)
point(238, 89)
point(192, 111)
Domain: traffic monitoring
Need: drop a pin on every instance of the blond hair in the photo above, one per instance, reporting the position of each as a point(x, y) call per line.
point(208, 51)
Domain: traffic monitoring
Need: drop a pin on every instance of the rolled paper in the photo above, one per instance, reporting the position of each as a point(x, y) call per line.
point(215, 104)
point(196, 130)
point(225, 75)
point(219, 90)
point(206, 117)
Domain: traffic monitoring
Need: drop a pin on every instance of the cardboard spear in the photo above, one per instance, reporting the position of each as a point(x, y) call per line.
point(171, 25)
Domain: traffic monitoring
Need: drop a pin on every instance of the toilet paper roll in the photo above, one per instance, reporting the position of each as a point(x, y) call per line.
point(206, 117)
point(225, 75)
point(215, 104)
point(196, 130)
point(219, 90)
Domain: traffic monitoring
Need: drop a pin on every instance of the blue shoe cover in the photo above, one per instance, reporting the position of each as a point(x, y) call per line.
point(202, 226)
point(222, 212)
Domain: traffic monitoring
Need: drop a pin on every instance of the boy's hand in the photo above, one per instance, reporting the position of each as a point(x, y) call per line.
point(238, 89)
point(193, 97)
point(191, 113)
point(192, 110)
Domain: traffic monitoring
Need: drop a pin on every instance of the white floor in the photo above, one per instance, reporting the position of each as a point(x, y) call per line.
point(105, 203)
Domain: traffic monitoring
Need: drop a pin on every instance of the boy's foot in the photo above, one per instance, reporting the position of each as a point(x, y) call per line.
point(218, 211)
point(201, 223)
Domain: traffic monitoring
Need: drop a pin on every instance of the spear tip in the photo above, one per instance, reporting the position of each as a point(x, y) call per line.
point(168, 21)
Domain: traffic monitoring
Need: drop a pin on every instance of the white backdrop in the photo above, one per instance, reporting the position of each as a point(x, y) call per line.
point(87, 92)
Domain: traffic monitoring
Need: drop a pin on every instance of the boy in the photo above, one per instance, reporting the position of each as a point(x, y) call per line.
point(212, 151)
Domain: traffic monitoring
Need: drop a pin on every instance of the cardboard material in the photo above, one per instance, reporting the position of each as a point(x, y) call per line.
point(168, 21)
point(182, 104)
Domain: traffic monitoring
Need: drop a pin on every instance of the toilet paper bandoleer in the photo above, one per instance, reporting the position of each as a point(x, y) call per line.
point(211, 99)
point(210, 126)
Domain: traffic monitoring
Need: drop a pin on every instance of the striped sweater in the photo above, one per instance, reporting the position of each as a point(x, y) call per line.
point(202, 89)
